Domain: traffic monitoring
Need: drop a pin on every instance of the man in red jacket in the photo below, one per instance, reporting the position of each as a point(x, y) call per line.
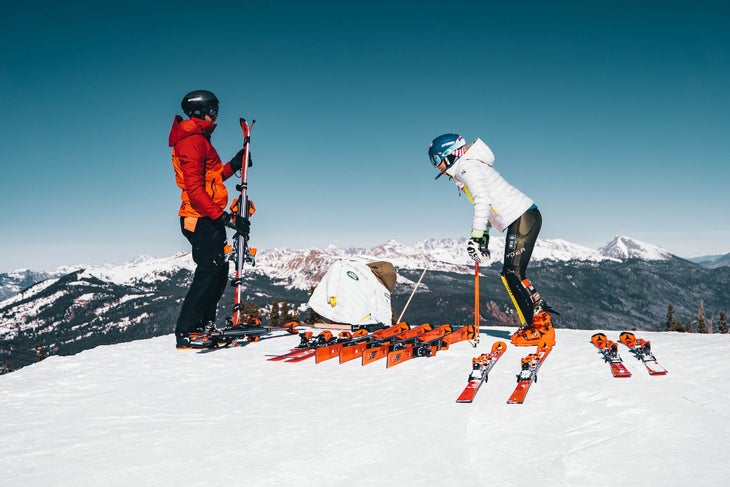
point(200, 173)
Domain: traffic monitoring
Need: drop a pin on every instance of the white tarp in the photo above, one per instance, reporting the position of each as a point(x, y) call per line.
point(350, 293)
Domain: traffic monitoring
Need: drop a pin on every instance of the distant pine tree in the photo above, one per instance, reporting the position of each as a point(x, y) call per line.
point(42, 353)
point(722, 323)
point(670, 323)
point(275, 314)
point(313, 316)
point(701, 322)
point(285, 312)
point(701, 325)
point(250, 311)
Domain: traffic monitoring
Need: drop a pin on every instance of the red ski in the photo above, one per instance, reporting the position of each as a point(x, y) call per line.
point(641, 349)
point(609, 350)
point(528, 374)
point(425, 345)
point(481, 366)
point(372, 353)
point(306, 348)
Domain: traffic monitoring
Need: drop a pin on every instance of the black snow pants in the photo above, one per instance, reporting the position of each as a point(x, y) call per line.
point(210, 278)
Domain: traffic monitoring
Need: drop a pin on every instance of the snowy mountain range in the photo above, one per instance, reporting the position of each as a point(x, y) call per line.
point(624, 282)
point(303, 269)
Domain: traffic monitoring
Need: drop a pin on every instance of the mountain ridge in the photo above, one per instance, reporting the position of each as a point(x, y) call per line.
point(141, 299)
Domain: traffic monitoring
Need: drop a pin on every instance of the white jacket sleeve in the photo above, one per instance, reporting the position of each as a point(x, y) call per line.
point(495, 200)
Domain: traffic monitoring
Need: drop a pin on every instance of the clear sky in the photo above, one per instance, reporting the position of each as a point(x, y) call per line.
point(613, 116)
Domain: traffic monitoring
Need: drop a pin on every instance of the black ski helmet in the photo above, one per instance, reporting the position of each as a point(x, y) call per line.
point(200, 103)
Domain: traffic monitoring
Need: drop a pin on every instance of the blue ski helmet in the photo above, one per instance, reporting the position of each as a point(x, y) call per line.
point(446, 147)
point(200, 103)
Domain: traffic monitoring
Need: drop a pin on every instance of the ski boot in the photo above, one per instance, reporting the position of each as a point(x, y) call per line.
point(193, 341)
point(540, 332)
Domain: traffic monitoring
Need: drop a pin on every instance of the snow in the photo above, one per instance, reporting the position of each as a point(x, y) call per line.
point(143, 413)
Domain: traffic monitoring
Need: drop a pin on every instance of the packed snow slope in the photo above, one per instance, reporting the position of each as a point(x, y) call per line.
point(143, 413)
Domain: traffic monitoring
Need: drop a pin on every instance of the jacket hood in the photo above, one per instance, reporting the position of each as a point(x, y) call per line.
point(476, 150)
point(182, 128)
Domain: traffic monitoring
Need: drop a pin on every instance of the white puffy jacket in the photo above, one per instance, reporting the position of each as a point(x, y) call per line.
point(495, 200)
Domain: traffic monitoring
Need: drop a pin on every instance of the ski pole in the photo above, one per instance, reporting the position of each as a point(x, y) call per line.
point(477, 318)
point(412, 293)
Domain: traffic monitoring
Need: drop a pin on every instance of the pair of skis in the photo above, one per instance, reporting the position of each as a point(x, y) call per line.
point(483, 364)
point(243, 208)
point(639, 347)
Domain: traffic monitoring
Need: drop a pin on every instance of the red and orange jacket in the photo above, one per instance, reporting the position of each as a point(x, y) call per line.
point(199, 172)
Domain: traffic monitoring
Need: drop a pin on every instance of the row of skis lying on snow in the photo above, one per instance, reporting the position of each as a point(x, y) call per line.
point(397, 344)
point(640, 348)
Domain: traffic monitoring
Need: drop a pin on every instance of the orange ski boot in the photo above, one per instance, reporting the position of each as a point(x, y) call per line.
point(540, 332)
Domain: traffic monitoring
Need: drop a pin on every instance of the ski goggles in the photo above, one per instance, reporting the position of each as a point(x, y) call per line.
point(212, 110)
point(437, 159)
point(450, 155)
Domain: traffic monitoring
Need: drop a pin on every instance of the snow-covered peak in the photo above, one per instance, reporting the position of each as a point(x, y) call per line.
point(622, 247)
point(303, 268)
point(141, 269)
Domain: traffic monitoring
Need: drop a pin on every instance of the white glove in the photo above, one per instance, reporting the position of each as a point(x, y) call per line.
point(478, 249)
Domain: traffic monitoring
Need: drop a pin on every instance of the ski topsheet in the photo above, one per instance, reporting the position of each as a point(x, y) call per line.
point(426, 344)
point(381, 348)
point(326, 346)
point(358, 339)
point(481, 366)
point(609, 350)
point(306, 348)
point(641, 349)
point(528, 374)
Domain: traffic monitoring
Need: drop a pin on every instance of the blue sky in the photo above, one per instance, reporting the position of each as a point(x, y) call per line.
point(612, 116)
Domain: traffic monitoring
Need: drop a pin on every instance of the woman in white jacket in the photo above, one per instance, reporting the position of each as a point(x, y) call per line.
point(500, 205)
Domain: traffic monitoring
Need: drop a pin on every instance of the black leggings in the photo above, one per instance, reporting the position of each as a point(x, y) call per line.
point(210, 278)
point(520, 241)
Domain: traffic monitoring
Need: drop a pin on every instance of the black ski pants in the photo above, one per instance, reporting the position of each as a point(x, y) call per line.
point(519, 244)
point(210, 278)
